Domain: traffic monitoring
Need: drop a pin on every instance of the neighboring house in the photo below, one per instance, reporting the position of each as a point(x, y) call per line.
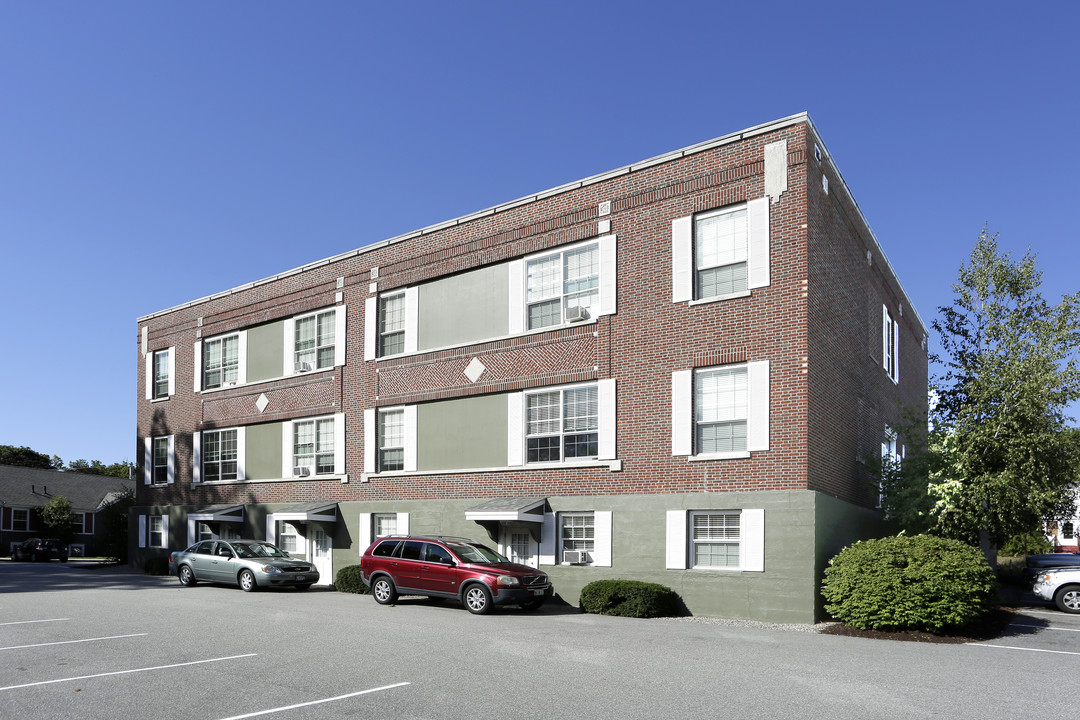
point(24, 491)
point(1063, 535)
point(672, 372)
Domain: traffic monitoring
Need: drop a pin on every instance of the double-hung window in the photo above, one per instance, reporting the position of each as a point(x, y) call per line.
point(562, 424)
point(391, 324)
point(156, 538)
point(221, 361)
point(716, 540)
point(20, 519)
point(315, 341)
point(287, 536)
point(160, 374)
point(721, 253)
point(159, 460)
point(720, 410)
point(219, 455)
point(391, 440)
point(385, 524)
point(577, 532)
point(313, 445)
point(560, 283)
point(890, 344)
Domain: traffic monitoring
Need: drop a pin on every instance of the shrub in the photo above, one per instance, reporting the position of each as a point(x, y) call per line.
point(916, 582)
point(1026, 544)
point(156, 566)
point(629, 598)
point(348, 580)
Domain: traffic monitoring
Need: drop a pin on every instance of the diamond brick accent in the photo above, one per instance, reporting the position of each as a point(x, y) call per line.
point(475, 370)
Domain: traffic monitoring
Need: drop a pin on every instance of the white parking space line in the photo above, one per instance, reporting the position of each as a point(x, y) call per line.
point(1012, 647)
point(71, 642)
point(125, 672)
point(1043, 627)
point(27, 622)
point(316, 702)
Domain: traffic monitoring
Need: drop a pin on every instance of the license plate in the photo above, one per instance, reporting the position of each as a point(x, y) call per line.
point(301, 578)
point(538, 592)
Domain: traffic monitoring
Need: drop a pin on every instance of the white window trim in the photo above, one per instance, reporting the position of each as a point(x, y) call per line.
point(366, 534)
point(371, 322)
point(241, 455)
point(288, 359)
point(241, 361)
point(751, 541)
point(11, 524)
point(150, 373)
point(144, 531)
point(757, 416)
point(608, 283)
point(606, 425)
point(371, 439)
point(287, 439)
point(890, 330)
point(148, 459)
point(758, 251)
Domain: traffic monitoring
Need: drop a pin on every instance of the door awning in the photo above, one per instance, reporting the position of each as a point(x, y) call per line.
point(511, 509)
point(218, 513)
point(308, 512)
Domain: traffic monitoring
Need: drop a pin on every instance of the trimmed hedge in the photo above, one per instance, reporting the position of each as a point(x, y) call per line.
point(348, 580)
point(919, 582)
point(630, 598)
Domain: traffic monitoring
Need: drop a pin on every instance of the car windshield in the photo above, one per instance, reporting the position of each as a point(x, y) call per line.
point(249, 550)
point(477, 553)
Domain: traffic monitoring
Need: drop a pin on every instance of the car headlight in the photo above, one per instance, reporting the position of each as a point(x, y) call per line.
point(508, 580)
point(271, 569)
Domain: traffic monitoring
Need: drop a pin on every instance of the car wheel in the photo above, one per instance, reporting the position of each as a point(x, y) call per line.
point(1068, 599)
point(247, 581)
point(16, 556)
point(187, 577)
point(302, 587)
point(383, 590)
point(63, 558)
point(533, 604)
point(477, 599)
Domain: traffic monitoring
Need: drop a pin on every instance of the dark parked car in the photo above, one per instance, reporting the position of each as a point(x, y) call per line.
point(450, 567)
point(1049, 560)
point(251, 564)
point(36, 549)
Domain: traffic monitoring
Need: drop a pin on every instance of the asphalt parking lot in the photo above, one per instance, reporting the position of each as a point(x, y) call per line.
point(109, 643)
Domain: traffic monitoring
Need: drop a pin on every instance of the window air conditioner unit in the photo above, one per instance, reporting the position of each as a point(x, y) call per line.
point(575, 557)
point(301, 471)
point(577, 314)
point(302, 367)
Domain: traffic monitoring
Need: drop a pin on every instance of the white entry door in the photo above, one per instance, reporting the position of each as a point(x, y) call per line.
point(518, 545)
point(320, 556)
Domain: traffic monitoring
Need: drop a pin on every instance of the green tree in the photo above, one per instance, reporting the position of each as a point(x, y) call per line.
point(1000, 458)
point(24, 457)
point(96, 467)
point(56, 518)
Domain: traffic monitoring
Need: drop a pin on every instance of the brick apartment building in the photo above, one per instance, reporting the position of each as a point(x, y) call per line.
point(676, 372)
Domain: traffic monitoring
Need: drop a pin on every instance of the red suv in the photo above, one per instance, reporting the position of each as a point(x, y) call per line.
point(450, 567)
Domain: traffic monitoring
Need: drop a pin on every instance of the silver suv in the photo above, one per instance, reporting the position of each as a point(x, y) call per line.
point(1062, 585)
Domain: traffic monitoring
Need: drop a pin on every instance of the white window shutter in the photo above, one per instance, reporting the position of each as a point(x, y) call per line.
point(339, 443)
point(885, 322)
point(682, 408)
point(172, 371)
point(241, 365)
point(364, 534)
point(164, 531)
point(752, 546)
point(402, 523)
point(286, 449)
point(149, 376)
point(601, 538)
point(148, 460)
point(371, 327)
point(515, 435)
point(516, 268)
point(271, 529)
point(896, 352)
point(198, 366)
point(142, 531)
point(241, 453)
point(172, 460)
point(608, 276)
point(191, 536)
point(412, 318)
point(676, 540)
point(410, 438)
point(196, 457)
point(288, 355)
point(606, 401)
point(757, 422)
point(340, 315)
point(682, 259)
point(369, 440)
point(548, 539)
point(757, 216)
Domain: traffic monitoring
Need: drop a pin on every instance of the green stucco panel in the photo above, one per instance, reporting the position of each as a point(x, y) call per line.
point(462, 433)
point(264, 451)
point(265, 348)
point(464, 308)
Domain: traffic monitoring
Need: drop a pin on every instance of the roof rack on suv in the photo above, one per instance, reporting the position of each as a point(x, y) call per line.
point(442, 538)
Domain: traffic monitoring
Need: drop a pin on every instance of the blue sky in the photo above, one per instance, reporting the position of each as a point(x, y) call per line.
point(152, 153)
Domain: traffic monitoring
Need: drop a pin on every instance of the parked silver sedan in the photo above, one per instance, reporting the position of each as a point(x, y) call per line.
point(251, 564)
